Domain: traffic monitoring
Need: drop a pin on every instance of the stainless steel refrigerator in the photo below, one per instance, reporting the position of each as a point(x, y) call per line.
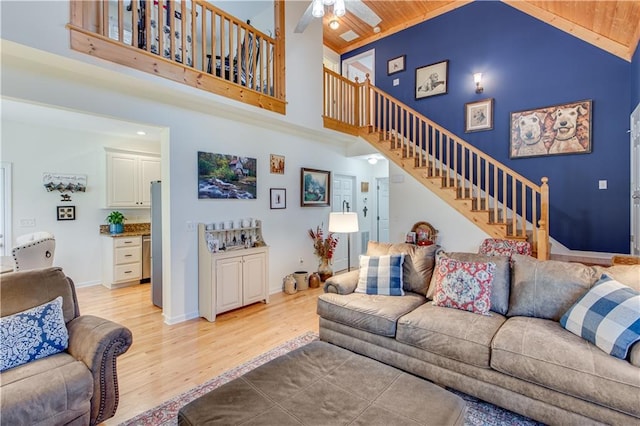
point(156, 243)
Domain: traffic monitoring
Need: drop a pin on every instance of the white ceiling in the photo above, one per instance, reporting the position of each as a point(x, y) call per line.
point(24, 112)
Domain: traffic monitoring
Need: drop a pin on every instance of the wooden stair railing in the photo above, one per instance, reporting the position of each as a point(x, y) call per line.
point(500, 201)
point(190, 41)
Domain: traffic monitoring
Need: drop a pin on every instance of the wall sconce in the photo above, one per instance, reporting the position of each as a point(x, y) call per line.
point(372, 160)
point(334, 24)
point(477, 78)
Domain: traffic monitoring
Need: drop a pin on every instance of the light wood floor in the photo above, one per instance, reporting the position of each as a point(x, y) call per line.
point(165, 361)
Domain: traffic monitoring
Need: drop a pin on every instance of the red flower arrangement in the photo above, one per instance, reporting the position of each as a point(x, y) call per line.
point(324, 247)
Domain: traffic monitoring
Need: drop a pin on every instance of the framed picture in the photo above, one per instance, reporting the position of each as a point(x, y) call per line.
point(226, 176)
point(395, 65)
point(411, 237)
point(278, 198)
point(66, 212)
point(553, 130)
point(276, 164)
point(432, 79)
point(478, 116)
point(315, 188)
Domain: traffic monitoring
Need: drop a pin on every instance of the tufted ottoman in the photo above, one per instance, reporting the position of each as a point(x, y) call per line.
point(322, 384)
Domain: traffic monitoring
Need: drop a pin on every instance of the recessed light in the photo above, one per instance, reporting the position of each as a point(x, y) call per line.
point(141, 133)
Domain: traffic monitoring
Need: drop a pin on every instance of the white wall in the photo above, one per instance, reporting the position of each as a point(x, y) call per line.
point(410, 202)
point(34, 149)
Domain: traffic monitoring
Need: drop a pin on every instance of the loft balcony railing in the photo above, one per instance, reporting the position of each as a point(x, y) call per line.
point(512, 206)
point(188, 41)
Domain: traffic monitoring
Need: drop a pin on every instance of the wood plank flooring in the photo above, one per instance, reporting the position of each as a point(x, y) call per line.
point(165, 360)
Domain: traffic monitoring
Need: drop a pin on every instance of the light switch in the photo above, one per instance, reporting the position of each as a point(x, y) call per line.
point(602, 184)
point(396, 81)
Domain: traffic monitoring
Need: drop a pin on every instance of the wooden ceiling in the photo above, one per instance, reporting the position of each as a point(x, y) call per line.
point(612, 25)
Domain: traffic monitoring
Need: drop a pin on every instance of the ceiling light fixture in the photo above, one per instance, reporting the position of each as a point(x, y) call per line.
point(372, 160)
point(334, 24)
point(318, 9)
point(339, 9)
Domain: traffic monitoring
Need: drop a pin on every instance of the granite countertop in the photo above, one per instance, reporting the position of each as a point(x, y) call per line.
point(130, 230)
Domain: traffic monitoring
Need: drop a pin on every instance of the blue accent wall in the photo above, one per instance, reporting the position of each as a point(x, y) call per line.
point(528, 64)
point(635, 79)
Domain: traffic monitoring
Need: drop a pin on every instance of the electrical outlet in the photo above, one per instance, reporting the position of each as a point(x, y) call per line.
point(301, 260)
point(28, 223)
point(602, 184)
point(396, 81)
point(191, 226)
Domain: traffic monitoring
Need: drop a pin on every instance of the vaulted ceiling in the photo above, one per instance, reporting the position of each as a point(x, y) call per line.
point(612, 25)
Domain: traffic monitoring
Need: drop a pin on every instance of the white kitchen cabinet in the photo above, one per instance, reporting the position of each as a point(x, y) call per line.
point(230, 279)
point(129, 175)
point(122, 261)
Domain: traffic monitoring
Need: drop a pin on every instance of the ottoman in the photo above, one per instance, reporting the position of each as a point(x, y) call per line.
point(322, 384)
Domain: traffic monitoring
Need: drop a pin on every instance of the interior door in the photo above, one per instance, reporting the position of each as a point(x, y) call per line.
point(382, 186)
point(635, 181)
point(343, 190)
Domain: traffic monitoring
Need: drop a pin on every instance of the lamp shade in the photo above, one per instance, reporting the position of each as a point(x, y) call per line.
point(343, 222)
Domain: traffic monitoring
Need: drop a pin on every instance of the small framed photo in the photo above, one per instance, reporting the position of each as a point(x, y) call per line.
point(315, 188)
point(478, 116)
point(395, 65)
point(432, 79)
point(278, 198)
point(276, 164)
point(66, 212)
point(411, 238)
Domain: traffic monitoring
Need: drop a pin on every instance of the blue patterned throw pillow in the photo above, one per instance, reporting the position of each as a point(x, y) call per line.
point(381, 275)
point(32, 334)
point(608, 316)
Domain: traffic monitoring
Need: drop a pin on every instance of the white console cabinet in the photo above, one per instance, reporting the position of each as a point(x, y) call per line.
point(129, 175)
point(122, 261)
point(230, 279)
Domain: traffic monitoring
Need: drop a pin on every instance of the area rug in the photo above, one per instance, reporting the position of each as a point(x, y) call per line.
point(479, 413)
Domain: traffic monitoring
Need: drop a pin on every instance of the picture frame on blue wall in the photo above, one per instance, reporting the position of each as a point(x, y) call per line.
point(396, 65)
point(552, 130)
point(432, 79)
point(478, 116)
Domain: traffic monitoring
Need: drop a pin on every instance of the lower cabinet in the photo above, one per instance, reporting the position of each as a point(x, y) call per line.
point(230, 280)
point(122, 261)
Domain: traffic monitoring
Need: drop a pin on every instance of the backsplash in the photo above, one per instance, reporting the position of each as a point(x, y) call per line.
point(129, 227)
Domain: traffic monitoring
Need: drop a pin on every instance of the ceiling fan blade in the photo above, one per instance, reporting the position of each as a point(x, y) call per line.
point(305, 19)
point(363, 12)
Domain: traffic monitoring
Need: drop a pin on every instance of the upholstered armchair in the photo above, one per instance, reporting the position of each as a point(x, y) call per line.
point(77, 385)
point(34, 251)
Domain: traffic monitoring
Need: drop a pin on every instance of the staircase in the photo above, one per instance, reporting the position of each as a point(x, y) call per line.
point(500, 201)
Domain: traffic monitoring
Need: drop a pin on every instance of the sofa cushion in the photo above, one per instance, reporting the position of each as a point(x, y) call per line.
point(32, 334)
point(381, 275)
point(52, 390)
point(501, 278)
point(369, 312)
point(547, 288)
point(418, 263)
point(608, 316)
point(451, 333)
point(463, 285)
point(628, 275)
point(542, 352)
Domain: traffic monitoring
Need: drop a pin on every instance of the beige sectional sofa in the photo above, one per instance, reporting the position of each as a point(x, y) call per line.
point(519, 357)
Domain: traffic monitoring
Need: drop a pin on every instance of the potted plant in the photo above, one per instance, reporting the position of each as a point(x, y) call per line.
point(116, 222)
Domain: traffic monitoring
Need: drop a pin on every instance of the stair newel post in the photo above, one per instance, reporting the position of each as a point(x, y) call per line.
point(543, 223)
point(367, 102)
point(356, 104)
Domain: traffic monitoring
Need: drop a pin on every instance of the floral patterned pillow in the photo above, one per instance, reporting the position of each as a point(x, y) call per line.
point(500, 247)
point(32, 334)
point(464, 285)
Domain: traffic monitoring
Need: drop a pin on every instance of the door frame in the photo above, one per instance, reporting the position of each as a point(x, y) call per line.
point(358, 57)
point(6, 170)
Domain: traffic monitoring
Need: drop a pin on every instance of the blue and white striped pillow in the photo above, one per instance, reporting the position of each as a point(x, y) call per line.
point(608, 316)
point(381, 275)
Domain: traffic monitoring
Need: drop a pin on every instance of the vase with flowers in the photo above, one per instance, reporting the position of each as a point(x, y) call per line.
point(324, 249)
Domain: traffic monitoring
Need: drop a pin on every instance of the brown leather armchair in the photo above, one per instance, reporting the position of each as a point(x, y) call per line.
point(78, 386)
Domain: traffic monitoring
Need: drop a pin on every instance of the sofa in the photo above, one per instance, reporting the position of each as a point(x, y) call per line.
point(517, 355)
point(45, 383)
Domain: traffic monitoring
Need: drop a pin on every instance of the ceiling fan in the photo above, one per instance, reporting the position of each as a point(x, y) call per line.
point(317, 8)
